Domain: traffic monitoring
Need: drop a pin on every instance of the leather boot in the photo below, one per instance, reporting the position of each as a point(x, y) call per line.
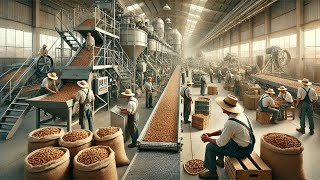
point(211, 174)
point(301, 130)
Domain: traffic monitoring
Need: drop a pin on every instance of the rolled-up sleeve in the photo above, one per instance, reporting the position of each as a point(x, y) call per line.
point(226, 135)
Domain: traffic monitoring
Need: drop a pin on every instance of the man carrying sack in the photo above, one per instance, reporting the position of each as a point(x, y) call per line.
point(132, 112)
point(308, 96)
point(187, 101)
point(85, 97)
point(236, 138)
point(266, 104)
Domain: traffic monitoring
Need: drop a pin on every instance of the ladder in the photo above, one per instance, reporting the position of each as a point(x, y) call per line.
point(12, 118)
point(69, 38)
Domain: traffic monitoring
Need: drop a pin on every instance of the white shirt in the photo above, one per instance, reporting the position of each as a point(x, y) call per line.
point(286, 96)
point(46, 82)
point(235, 131)
point(82, 94)
point(43, 51)
point(267, 101)
point(302, 93)
point(148, 86)
point(90, 41)
point(132, 105)
point(186, 90)
point(237, 77)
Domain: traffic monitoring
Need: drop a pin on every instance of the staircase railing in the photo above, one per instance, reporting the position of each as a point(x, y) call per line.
point(105, 22)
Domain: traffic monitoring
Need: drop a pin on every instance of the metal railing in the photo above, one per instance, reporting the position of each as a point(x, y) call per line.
point(106, 22)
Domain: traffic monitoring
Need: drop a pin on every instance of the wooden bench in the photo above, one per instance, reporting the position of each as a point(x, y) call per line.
point(290, 112)
point(263, 117)
point(250, 168)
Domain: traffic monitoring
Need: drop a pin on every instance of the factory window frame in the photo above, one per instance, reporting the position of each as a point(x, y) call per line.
point(226, 50)
point(312, 43)
point(286, 42)
point(244, 50)
point(235, 50)
point(258, 48)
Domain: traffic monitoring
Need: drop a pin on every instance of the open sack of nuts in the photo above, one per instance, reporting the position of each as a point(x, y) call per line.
point(44, 137)
point(76, 141)
point(113, 137)
point(283, 154)
point(49, 163)
point(194, 166)
point(95, 163)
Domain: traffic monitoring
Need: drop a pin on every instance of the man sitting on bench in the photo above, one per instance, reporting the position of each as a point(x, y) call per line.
point(236, 138)
point(266, 104)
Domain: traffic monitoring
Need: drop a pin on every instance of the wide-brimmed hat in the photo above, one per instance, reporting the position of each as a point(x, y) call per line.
point(44, 45)
point(230, 104)
point(128, 92)
point(189, 82)
point(83, 84)
point(305, 82)
point(270, 91)
point(149, 78)
point(282, 88)
point(52, 76)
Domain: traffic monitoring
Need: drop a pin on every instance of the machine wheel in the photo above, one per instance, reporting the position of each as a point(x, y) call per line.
point(44, 64)
point(284, 57)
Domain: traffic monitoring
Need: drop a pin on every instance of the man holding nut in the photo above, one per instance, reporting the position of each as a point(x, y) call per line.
point(132, 112)
point(85, 97)
point(236, 138)
point(187, 101)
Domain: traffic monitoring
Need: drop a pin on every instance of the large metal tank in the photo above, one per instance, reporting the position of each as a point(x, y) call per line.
point(131, 38)
point(158, 26)
point(152, 46)
point(174, 39)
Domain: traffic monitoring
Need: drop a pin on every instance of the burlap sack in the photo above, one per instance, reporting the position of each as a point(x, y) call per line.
point(105, 169)
point(35, 143)
point(75, 147)
point(286, 164)
point(116, 143)
point(53, 170)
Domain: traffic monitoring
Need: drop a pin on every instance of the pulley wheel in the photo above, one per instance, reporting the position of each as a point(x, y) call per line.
point(44, 64)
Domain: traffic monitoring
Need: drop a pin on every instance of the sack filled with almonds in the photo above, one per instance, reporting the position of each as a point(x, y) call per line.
point(49, 163)
point(76, 141)
point(44, 137)
point(95, 163)
point(113, 137)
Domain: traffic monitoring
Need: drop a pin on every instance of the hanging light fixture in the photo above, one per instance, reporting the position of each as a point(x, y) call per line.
point(166, 7)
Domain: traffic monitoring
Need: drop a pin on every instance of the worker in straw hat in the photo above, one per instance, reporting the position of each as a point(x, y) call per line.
point(236, 138)
point(149, 89)
point(85, 97)
point(308, 96)
point(266, 104)
point(43, 50)
point(187, 101)
point(132, 112)
point(285, 100)
point(48, 84)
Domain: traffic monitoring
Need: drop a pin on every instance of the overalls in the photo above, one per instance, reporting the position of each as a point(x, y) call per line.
point(219, 76)
point(186, 106)
point(202, 85)
point(133, 124)
point(230, 149)
point(85, 108)
point(274, 111)
point(306, 109)
point(149, 98)
point(236, 87)
point(282, 107)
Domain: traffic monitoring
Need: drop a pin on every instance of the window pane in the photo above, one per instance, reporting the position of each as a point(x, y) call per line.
point(317, 52)
point(3, 51)
point(310, 38)
point(2, 37)
point(27, 52)
point(11, 51)
point(293, 40)
point(11, 37)
point(309, 52)
point(27, 39)
point(19, 38)
point(19, 52)
point(317, 37)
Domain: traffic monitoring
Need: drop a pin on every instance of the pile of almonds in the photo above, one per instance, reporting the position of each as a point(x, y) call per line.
point(282, 141)
point(46, 132)
point(88, 23)
point(85, 57)
point(163, 127)
point(67, 92)
point(45, 155)
point(194, 166)
point(93, 155)
point(75, 135)
point(8, 76)
point(102, 132)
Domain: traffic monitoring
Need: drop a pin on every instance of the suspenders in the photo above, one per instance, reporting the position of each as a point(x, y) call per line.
point(249, 128)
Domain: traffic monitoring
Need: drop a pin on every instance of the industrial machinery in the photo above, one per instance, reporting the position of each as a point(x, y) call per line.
point(276, 60)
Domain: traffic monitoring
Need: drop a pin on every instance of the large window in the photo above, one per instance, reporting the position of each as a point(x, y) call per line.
point(15, 43)
point(49, 41)
point(234, 50)
point(244, 50)
point(258, 48)
point(312, 43)
point(286, 42)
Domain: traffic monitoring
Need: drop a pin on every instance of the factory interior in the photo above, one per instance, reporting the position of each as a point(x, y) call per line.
point(159, 89)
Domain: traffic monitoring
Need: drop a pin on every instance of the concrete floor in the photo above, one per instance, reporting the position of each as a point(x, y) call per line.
point(14, 150)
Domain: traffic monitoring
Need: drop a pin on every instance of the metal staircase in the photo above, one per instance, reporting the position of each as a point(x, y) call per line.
point(69, 38)
point(150, 63)
point(14, 115)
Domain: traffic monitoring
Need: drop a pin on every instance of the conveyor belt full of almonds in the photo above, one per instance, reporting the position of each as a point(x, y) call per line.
point(13, 75)
point(67, 92)
point(284, 82)
point(84, 57)
point(162, 128)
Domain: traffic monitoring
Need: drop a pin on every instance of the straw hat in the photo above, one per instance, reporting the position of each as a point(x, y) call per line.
point(305, 82)
point(52, 76)
point(149, 78)
point(189, 82)
point(128, 92)
point(270, 91)
point(230, 103)
point(44, 46)
point(282, 88)
point(83, 84)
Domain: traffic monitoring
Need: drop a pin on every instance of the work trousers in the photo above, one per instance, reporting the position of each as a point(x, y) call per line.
point(148, 99)
point(274, 111)
point(282, 107)
point(87, 111)
point(133, 127)
point(306, 109)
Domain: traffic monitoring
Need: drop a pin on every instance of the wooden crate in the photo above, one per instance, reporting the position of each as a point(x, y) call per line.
point(251, 102)
point(202, 106)
point(212, 90)
point(250, 168)
point(263, 117)
point(200, 121)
